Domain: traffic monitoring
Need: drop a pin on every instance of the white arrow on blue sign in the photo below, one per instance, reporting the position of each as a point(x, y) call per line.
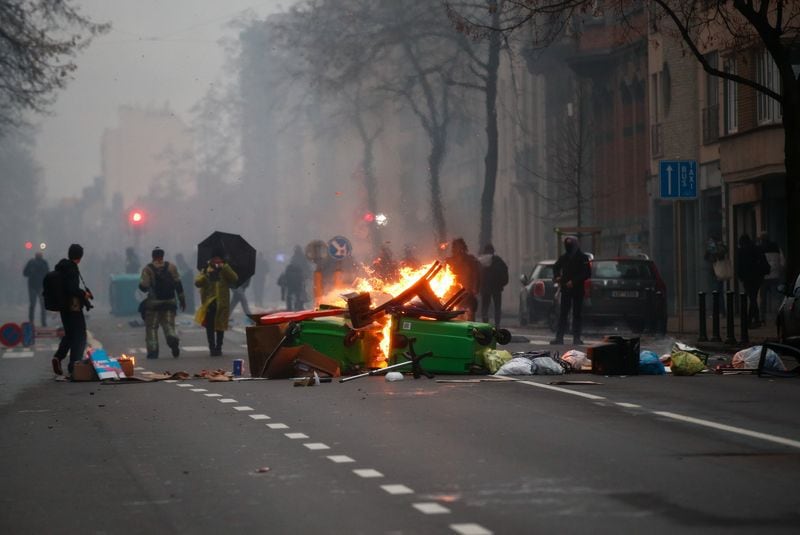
point(339, 247)
point(678, 179)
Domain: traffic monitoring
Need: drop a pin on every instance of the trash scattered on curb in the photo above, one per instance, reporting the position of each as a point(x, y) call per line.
point(394, 376)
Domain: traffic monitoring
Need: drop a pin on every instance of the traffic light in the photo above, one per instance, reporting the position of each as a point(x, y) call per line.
point(369, 217)
point(28, 245)
point(136, 218)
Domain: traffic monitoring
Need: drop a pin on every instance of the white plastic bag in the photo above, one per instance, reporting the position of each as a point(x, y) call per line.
point(546, 366)
point(748, 358)
point(576, 359)
point(516, 366)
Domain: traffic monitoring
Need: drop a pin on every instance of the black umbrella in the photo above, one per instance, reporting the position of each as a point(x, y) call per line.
point(234, 249)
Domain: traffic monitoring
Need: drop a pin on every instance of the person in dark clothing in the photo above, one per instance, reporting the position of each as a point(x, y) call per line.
point(468, 274)
point(72, 319)
point(161, 281)
point(239, 297)
point(35, 270)
point(132, 264)
point(570, 271)
point(751, 268)
point(494, 277)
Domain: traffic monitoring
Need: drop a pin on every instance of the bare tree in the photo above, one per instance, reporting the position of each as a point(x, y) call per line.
point(38, 41)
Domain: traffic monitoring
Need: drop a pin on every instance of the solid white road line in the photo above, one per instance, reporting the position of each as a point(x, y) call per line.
point(316, 446)
point(629, 405)
point(278, 426)
point(430, 508)
point(367, 472)
point(731, 429)
point(397, 489)
point(295, 436)
point(259, 417)
point(562, 390)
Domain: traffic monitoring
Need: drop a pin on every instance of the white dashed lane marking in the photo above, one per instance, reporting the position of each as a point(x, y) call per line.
point(431, 508)
point(397, 489)
point(170, 380)
point(212, 395)
point(470, 529)
point(185, 385)
point(242, 408)
point(259, 417)
point(18, 354)
point(278, 426)
point(295, 436)
point(227, 400)
point(341, 459)
point(367, 472)
point(199, 390)
point(629, 405)
point(317, 446)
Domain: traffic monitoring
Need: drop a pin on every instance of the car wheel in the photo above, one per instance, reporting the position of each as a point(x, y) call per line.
point(523, 313)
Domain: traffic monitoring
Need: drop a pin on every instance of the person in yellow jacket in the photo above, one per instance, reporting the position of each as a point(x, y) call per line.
point(214, 282)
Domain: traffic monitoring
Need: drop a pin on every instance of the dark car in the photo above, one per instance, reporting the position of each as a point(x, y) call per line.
point(626, 291)
point(788, 320)
point(537, 294)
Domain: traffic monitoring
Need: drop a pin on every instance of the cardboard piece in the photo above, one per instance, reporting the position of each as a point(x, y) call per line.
point(84, 371)
point(261, 340)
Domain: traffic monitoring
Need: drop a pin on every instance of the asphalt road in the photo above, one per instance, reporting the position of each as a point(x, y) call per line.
point(656, 454)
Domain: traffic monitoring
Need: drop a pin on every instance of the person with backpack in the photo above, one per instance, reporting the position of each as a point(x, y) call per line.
point(35, 271)
point(215, 281)
point(161, 281)
point(494, 277)
point(71, 299)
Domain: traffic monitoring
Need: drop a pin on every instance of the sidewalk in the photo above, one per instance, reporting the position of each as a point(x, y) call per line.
point(691, 327)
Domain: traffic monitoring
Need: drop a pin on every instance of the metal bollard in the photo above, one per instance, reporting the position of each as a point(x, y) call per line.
point(744, 317)
point(731, 335)
point(702, 336)
point(715, 300)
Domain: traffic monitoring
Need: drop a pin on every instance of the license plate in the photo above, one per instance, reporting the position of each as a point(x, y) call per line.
point(625, 293)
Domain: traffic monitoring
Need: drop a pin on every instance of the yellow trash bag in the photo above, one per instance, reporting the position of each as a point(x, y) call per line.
point(685, 363)
point(493, 359)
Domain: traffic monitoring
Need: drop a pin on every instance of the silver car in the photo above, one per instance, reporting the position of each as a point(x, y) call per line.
point(788, 320)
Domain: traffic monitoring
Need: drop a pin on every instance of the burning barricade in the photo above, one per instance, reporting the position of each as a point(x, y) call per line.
point(375, 325)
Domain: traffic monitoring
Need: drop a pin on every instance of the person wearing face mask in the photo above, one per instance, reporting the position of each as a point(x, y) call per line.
point(570, 272)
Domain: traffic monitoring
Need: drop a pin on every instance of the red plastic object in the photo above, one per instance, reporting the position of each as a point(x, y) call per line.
point(283, 317)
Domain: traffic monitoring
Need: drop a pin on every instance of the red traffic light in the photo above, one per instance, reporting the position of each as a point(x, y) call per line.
point(28, 245)
point(369, 217)
point(136, 217)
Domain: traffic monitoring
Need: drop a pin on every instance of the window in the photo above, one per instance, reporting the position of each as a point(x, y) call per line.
point(767, 108)
point(731, 98)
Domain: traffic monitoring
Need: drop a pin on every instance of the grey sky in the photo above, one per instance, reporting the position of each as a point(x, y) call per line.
point(159, 51)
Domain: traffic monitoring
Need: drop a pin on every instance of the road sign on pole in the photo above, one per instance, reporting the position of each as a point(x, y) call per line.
point(678, 179)
point(339, 247)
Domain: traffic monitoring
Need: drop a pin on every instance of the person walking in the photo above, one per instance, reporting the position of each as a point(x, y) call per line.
point(215, 281)
point(294, 279)
point(72, 318)
point(466, 269)
point(161, 281)
point(35, 270)
point(494, 277)
point(239, 297)
point(751, 268)
point(570, 272)
point(777, 265)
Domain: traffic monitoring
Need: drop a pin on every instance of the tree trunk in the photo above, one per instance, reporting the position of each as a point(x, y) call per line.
point(370, 182)
point(791, 126)
point(490, 161)
point(435, 159)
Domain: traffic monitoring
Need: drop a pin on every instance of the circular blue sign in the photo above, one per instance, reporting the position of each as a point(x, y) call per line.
point(10, 334)
point(339, 247)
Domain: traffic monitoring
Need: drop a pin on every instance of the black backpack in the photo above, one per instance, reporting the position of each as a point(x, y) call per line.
point(55, 298)
point(163, 283)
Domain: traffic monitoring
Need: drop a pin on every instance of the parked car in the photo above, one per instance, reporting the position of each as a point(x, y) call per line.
point(788, 319)
point(625, 290)
point(537, 293)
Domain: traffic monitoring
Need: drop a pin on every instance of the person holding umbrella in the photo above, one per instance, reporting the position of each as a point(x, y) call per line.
point(215, 281)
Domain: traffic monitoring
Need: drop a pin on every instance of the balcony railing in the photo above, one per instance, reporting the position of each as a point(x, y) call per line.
point(710, 124)
point(656, 141)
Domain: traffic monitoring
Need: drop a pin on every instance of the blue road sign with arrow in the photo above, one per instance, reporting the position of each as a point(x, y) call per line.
point(339, 247)
point(678, 179)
